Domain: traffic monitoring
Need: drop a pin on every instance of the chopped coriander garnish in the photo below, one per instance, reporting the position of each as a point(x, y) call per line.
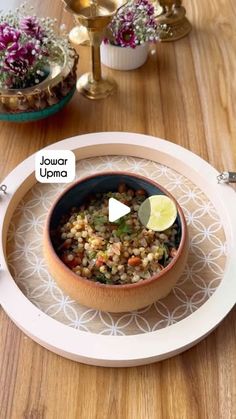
point(99, 220)
point(101, 278)
point(123, 228)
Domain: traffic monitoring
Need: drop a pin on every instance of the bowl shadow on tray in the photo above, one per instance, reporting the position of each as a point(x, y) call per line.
point(104, 297)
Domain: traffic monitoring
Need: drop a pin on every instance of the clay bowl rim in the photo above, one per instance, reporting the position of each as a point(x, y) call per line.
point(156, 277)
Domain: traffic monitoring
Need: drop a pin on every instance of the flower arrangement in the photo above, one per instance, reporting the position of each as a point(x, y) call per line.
point(27, 44)
point(133, 24)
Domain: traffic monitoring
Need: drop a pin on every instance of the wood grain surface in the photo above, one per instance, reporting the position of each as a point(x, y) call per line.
point(185, 93)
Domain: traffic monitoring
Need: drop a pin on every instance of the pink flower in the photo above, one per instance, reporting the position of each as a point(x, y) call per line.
point(15, 64)
point(32, 50)
point(149, 8)
point(8, 36)
point(19, 58)
point(129, 16)
point(152, 23)
point(133, 24)
point(30, 26)
point(126, 38)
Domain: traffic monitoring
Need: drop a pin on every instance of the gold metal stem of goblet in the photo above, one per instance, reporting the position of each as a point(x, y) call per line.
point(92, 85)
point(96, 63)
point(172, 20)
point(95, 40)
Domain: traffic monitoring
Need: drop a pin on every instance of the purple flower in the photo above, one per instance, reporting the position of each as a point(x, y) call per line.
point(16, 64)
point(150, 10)
point(126, 38)
point(152, 23)
point(146, 6)
point(129, 16)
point(3, 26)
point(142, 2)
point(8, 36)
point(19, 58)
point(32, 50)
point(134, 24)
point(31, 26)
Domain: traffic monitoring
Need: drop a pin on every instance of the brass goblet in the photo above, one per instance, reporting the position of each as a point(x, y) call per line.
point(94, 16)
point(172, 20)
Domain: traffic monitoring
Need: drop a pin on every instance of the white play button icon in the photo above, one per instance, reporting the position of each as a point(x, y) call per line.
point(116, 210)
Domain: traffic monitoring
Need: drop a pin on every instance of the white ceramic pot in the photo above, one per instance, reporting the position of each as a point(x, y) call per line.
point(124, 58)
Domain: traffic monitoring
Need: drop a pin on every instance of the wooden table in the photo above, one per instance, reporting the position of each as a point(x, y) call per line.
point(185, 93)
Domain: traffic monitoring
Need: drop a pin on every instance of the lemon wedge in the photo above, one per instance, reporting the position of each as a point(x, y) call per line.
point(158, 212)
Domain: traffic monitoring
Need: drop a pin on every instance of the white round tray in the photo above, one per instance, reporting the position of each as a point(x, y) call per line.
point(134, 349)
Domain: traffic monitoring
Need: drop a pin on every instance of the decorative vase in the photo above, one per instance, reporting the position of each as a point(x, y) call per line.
point(124, 58)
point(45, 98)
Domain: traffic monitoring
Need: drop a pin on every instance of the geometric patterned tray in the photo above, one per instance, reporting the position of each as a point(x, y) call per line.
point(200, 279)
point(200, 300)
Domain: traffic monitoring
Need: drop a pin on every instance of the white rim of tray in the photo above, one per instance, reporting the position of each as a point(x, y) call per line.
point(136, 349)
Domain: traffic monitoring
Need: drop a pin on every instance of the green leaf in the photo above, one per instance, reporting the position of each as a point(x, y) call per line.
point(123, 228)
point(99, 220)
point(101, 278)
point(165, 254)
point(92, 255)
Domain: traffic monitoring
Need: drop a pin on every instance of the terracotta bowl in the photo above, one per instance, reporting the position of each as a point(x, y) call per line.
point(113, 298)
